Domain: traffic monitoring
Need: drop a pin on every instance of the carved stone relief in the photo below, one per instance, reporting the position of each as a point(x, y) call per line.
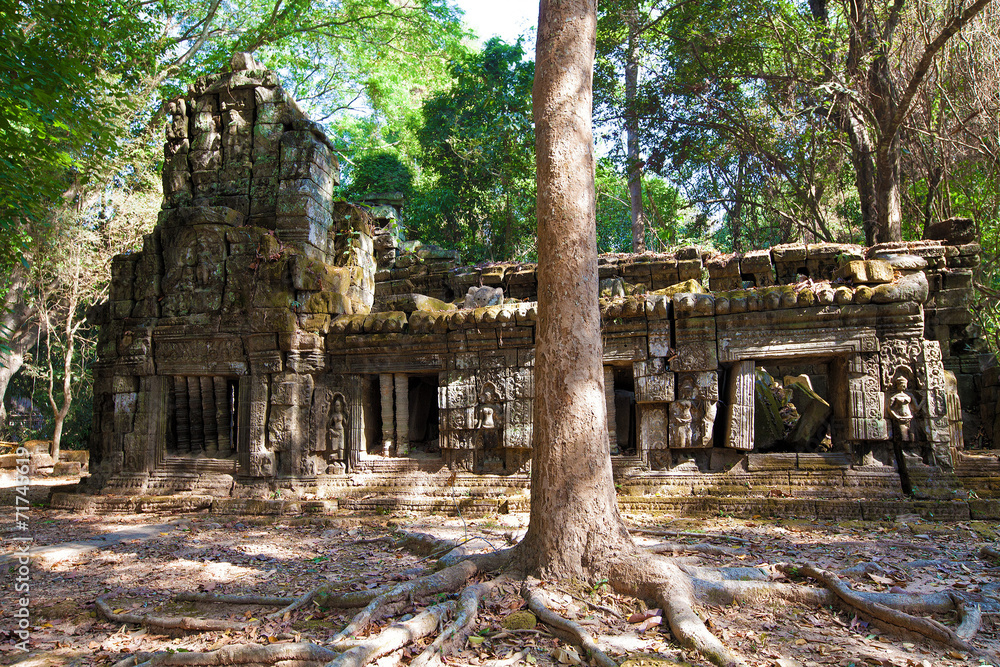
point(741, 406)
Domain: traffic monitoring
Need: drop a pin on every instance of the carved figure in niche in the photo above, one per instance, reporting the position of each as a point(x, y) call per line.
point(682, 423)
point(903, 408)
point(682, 416)
point(488, 431)
point(485, 417)
point(336, 435)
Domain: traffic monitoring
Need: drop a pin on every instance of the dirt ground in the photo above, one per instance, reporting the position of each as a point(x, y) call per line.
point(287, 556)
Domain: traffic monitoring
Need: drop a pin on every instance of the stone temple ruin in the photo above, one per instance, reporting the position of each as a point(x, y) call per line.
point(270, 341)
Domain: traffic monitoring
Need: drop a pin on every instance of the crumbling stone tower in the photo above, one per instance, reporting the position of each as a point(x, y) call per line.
point(214, 331)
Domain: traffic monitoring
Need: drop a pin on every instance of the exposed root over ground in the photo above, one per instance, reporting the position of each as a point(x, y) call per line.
point(682, 590)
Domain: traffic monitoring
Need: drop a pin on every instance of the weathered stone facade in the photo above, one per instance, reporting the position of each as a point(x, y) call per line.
point(267, 337)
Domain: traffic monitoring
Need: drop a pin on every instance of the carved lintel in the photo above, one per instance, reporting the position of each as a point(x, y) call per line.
point(737, 346)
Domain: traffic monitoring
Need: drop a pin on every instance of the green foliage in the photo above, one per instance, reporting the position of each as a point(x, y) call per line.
point(381, 171)
point(67, 69)
point(665, 224)
point(758, 111)
point(478, 158)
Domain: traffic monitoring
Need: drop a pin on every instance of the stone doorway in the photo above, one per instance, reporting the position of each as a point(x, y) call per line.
point(423, 431)
point(203, 416)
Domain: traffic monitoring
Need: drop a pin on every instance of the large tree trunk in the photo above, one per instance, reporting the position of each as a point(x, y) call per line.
point(18, 332)
point(632, 129)
point(575, 527)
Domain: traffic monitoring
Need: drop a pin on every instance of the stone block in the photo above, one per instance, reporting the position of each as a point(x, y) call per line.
point(689, 269)
point(952, 316)
point(789, 252)
point(654, 388)
point(304, 156)
point(964, 262)
point(121, 309)
point(953, 298)
point(756, 261)
point(689, 304)
point(762, 462)
point(659, 338)
point(720, 266)
point(271, 320)
point(67, 469)
point(869, 271)
point(956, 279)
point(725, 283)
point(190, 216)
point(696, 356)
point(653, 427)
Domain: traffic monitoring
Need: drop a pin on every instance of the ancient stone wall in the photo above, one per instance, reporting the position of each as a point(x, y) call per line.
point(269, 336)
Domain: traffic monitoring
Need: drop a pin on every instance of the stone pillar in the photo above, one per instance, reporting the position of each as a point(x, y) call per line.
point(182, 417)
point(156, 388)
point(208, 415)
point(243, 424)
point(740, 409)
point(223, 412)
point(402, 414)
point(259, 463)
point(195, 415)
point(386, 387)
point(360, 387)
point(609, 398)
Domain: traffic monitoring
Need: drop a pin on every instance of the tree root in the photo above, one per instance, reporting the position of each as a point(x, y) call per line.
point(461, 627)
point(663, 582)
point(537, 604)
point(394, 637)
point(447, 580)
point(989, 552)
point(168, 622)
point(884, 615)
point(970, 620)
point(243, 654)
point(233, 599)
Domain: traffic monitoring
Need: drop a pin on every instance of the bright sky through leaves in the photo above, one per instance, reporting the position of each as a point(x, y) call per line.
point(507, 19)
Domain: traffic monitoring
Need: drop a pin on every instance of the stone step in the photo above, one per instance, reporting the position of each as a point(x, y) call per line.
point(803, 508)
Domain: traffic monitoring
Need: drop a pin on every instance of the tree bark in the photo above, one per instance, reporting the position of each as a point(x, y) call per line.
point(575, 528)
point(632, 129)
point(18, 331)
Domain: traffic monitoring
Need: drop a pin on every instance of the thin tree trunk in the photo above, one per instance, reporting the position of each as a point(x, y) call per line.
point(70, 328)
point(933, 181)
point(736, 213)
point(888, 201)
point(632, 129)
point(575, 527)
point(862, 154)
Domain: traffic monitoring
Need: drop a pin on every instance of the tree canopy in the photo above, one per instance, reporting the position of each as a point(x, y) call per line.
point(477, 144)
point(801, 118)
